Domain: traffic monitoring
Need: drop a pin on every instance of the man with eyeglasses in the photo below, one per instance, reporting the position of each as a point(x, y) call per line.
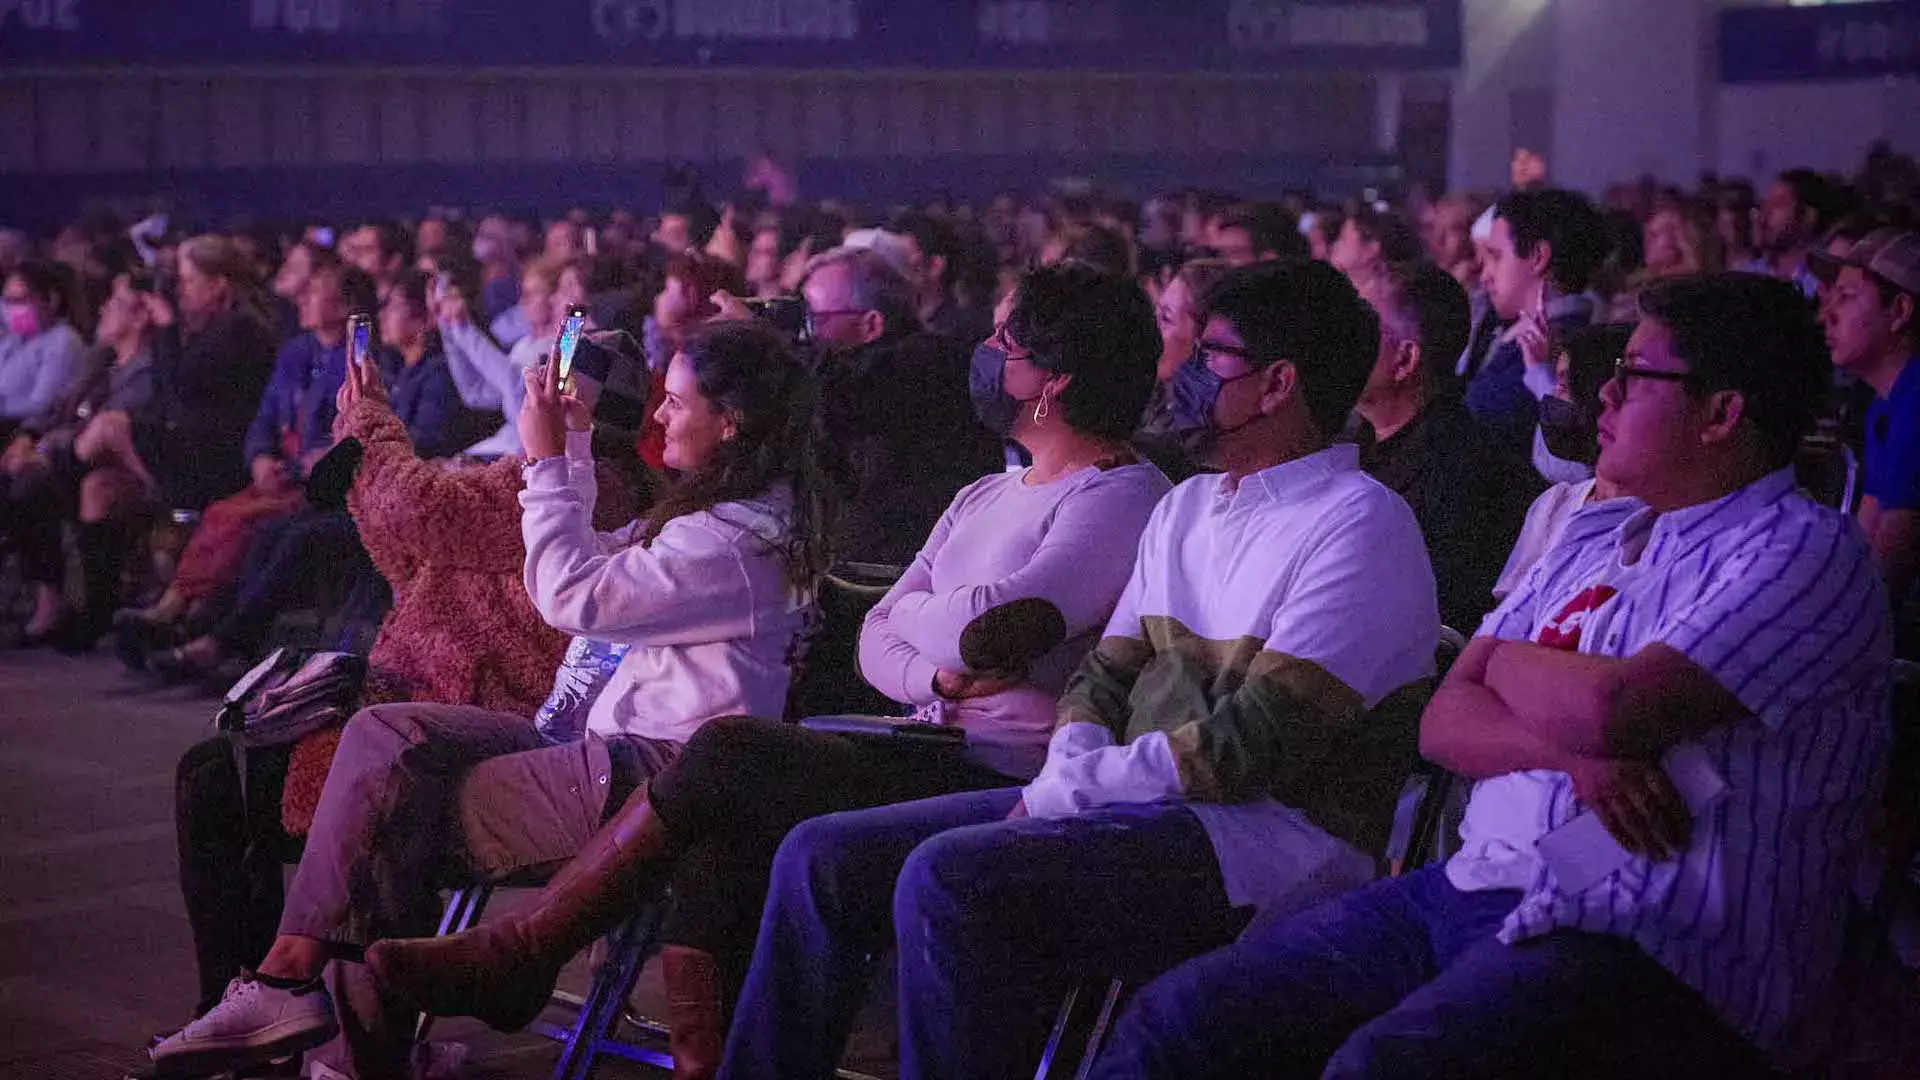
point(1674, 726)
point(894, 397)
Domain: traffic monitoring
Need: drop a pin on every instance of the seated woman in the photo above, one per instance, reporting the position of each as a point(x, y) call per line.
point(710, 591)
point(41, 355)
point(462, 631)
point(1077, 352)
point(76, 460)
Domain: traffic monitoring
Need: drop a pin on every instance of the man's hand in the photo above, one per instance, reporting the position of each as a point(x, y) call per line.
point(269, 475)
point(1637, 803)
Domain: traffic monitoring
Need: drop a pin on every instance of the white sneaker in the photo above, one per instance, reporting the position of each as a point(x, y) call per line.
point(253, 1023)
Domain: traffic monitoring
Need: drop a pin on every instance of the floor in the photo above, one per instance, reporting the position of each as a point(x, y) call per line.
point(95, 955)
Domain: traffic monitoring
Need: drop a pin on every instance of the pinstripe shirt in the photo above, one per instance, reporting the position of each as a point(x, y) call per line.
point(1778, 599)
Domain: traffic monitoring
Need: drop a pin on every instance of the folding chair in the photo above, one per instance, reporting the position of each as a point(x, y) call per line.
point(628, 948)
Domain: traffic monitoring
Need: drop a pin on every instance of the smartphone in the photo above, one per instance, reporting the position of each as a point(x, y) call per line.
point(360, 339)
point(570, 331)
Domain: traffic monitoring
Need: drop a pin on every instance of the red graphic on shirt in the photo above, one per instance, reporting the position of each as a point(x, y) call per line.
point(1563, 630)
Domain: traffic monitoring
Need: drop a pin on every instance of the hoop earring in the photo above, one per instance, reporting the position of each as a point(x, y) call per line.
point(1042, 410)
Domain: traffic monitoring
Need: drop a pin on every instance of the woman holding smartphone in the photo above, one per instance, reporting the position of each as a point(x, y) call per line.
point(710, 591)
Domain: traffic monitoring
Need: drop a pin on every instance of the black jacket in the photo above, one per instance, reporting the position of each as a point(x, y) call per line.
point(1469, 495)
point(901, 441)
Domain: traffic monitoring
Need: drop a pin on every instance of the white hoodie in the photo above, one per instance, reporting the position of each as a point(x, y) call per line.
point(706, 607)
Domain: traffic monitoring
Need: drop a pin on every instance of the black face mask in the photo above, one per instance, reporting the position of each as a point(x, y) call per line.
point(995, 408)
point(1566, 432)
point(1185, 411)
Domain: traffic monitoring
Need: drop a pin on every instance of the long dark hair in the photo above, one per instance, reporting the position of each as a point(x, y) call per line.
point(751, 373)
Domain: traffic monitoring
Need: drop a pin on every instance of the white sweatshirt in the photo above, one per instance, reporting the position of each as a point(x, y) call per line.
point(706, 607)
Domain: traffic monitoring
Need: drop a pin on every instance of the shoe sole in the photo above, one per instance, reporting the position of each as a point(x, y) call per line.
point(207, 1059)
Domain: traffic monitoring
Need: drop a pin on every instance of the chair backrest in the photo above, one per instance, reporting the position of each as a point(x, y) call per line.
point(1430, 792)
point(1827, 469)
point(826, 673)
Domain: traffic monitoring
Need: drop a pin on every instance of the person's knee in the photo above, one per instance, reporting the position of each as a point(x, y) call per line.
point(206, 773)
point(833, 859)
point(724, 742)
point(932, 882)
point(378, 732)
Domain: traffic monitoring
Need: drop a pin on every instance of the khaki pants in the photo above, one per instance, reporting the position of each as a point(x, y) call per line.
point(424, 796)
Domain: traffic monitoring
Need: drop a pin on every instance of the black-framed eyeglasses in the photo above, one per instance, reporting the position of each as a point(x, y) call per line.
point(813, 317)
point(1625, 372)
point(1210, 349)
point(1004, 342)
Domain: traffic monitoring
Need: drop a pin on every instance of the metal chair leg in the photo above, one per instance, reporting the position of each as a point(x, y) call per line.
point(627, 952)
point(1099, 1033)
point(463, 910)
point(1060, 1023)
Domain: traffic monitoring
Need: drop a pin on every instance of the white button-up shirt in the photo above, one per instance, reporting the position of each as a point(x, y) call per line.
point(1779, 600)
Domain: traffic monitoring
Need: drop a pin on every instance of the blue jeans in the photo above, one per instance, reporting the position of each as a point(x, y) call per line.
point(994, 921)
point(1404, 978)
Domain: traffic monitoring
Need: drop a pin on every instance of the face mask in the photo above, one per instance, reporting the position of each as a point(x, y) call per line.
point(22, 320)
point(995, 407)
point(1565, 431)
point(1185, 414)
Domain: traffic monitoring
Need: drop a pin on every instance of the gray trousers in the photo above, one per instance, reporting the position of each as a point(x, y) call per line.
point(425, 796)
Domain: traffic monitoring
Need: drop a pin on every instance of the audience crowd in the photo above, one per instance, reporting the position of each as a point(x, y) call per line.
point(1020, 594)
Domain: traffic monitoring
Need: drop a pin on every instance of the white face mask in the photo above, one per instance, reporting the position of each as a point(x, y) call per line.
point(1556, 470)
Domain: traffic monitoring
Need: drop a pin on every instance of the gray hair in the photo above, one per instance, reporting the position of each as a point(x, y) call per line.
point(873, 284)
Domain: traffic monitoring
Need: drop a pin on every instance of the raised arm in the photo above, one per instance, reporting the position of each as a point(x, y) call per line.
point(411, 511)
point(694, 584)
point(479, 367)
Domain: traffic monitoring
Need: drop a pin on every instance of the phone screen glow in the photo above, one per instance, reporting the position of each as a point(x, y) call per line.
point(569, 342)
point(360, 348)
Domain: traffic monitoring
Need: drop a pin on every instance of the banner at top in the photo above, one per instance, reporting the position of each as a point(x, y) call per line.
point(1834, 41)
point(1116, 35)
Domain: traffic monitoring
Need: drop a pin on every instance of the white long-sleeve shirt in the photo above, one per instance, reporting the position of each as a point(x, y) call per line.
point(488, 378)
point(706, 606)
point(1070, 542)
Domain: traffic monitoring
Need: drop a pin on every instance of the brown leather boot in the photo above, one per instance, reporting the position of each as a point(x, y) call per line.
point(696, 1029)
point(503, 971)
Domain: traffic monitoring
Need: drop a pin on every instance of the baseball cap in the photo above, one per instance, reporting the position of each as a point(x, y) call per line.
point(1893, 255)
